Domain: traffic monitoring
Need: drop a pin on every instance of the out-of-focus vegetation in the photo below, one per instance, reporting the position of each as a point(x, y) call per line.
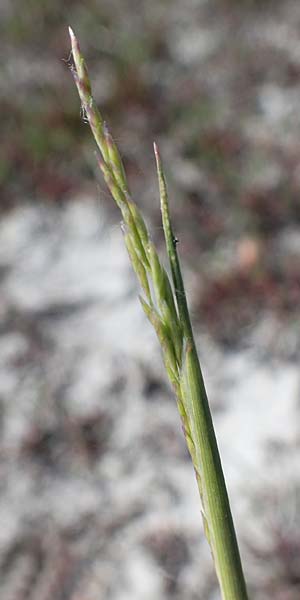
point(40, 137)
point(217, 86)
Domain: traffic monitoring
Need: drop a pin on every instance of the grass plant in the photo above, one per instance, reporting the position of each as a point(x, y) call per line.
point(165, 305)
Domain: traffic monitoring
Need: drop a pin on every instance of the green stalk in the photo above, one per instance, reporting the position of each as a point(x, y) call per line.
point(165, 306)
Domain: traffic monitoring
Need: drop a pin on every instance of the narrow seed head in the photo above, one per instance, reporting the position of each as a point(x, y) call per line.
point(115, 190)
point(138, 266)
point(80, 65)
point(139, 222)
point(71, 32)
point(115, 160)
point(156, 273)
point(170, 319)
point(156, 151)
point(165, 341)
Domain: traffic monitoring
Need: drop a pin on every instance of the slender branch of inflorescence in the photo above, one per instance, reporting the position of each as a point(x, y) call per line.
point(165, 305)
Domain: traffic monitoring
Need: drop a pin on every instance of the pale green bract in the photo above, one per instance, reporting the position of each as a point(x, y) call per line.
point(165, 305)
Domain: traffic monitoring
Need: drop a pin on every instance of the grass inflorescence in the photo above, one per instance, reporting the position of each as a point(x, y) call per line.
point(165, 305)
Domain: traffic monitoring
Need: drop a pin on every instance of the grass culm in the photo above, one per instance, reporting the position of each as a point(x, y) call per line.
point(164, 302)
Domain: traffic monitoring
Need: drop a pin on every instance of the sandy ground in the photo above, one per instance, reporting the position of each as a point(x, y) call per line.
point(98, 494)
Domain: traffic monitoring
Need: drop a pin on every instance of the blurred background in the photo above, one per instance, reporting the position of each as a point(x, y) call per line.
point(98, 497)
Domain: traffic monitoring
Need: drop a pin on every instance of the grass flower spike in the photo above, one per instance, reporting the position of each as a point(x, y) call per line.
point(165, 305)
